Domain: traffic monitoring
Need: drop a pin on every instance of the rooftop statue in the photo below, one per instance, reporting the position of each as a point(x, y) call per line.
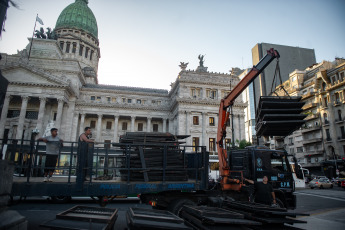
point(201, 60)
point(40, 33)
point(183, 65)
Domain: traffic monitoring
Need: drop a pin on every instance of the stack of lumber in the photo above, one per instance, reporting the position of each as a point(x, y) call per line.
point(153, 157)
point(279, 116)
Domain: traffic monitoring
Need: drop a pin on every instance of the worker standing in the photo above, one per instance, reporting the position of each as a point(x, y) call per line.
point(263, 191)
point(83, 147)
point(52, 152)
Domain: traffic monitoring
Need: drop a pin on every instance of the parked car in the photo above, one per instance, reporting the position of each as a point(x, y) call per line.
point(343, 184)
point(320, 183)
point(339, 180)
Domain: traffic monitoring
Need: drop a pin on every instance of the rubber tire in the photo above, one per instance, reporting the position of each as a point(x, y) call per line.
point(321, 187)
point(280, 203)
point(176, 205)
point(331, 186)
point(311, 187)
point(61, 199)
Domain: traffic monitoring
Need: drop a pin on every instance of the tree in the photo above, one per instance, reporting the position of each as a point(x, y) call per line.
point(243, 144)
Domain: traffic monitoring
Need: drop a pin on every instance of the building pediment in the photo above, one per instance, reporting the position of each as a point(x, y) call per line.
point(22, 74)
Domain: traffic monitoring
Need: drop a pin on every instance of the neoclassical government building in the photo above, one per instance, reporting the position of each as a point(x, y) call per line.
point(58, 87)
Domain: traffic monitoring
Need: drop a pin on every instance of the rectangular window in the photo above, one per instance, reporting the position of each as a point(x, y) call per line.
point(211, 121)
point(195, 120)
point(129, 100)
point(342, 131)
point(124, 125)
point(153, 102)
point(212, 144)
point(108, 99)
point(13, 113)
point(228, 144)
point(328, 135)
point(195, 143)
point(109, 124)
point(299, 149)
point(54, 116)
point(159, 102)
point(32, 115)
point(61, 45)
point(140, 126)
point(68, 44)
point(93, 124)
point(155, 127)
point(210, 93)
point(81, 47)
point(123, 100)
point(93, 98)
point(98, 99)
point(291, 141)
point(138, 101)
point(91, 53)
point(325, 101)
point(74, 47)
point(87, 52)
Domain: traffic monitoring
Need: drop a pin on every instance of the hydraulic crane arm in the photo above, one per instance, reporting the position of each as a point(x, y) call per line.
point(223, 117)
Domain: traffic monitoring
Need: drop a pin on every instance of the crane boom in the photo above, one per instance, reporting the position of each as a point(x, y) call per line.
point(224, 114)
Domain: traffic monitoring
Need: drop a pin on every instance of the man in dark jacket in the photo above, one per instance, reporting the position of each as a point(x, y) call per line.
point(263, 191)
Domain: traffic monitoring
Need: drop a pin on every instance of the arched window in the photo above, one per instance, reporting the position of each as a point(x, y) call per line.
point(323, 86)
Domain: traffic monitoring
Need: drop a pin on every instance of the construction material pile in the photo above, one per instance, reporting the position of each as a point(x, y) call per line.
point(153, 156)
point(279, 116)
point(142, 218)
point(200, 217)
point(269, 217)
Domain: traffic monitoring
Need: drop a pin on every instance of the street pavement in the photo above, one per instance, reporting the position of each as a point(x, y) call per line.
point(325, 206)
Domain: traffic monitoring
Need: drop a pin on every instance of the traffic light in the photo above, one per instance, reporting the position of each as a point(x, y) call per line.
point(279, 116)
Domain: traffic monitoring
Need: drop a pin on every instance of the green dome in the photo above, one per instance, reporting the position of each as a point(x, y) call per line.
point(78, 16)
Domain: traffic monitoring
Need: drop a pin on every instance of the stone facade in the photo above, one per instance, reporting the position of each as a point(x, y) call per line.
point(322, 87)
point(55, 87)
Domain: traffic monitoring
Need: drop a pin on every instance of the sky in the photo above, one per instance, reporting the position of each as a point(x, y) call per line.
point(142, 42)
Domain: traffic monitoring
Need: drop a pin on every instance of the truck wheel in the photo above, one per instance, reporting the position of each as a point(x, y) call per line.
point(176, 205)
point(331, 186)
point(60, 199)
point(280, 203)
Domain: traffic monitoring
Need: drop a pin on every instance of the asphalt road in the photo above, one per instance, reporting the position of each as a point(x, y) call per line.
point(326, 207)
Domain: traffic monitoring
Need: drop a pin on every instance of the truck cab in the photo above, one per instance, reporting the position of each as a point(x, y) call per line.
point(255, 162)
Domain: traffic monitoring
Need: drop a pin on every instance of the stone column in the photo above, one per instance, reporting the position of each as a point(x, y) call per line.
point(149, 124)
point(187, 123)
point(82, 121)
point(4, 115)
point(41, 110)
point(132, 123)
point(59, 113)
point(21, 119)
point(116, 127)
point(75, 127)
point(99, 127)
point(171, 125)
point(203, 137)
point(164, 125)
point(219, 94)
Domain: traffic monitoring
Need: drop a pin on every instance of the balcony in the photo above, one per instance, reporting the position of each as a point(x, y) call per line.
point(309, 106)
point(311, 117)
point(311, 129)
point(314, 152)
point(337, 121)
point(310, 94)
point(311, 141)
point(341, 138)
point(326, 122)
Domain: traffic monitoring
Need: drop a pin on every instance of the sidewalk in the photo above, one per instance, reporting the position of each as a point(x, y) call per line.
point(333, 219)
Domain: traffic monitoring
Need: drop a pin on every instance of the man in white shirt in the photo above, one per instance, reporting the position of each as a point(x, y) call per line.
point(52, 152)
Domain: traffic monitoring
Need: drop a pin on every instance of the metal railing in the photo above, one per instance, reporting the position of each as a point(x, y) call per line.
point(115, 163)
